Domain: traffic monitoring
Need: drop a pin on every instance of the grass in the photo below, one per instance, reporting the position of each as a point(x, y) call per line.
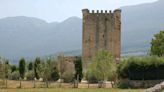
point(69, 90)
point(54, 87)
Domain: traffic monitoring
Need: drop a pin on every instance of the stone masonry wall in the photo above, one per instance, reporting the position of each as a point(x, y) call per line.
point(101, 30)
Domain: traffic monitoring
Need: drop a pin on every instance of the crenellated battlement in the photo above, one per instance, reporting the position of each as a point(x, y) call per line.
point(86, 11)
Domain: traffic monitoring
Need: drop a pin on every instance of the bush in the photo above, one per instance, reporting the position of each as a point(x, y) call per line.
point(124, 84)
point(68, 76)
point(142, 68)
point(13, 68)
point(14, 75)
point(91, 78)
point(30, 75)
point(55, 75)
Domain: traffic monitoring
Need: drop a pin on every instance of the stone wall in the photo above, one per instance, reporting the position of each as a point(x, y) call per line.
point(144, 83)
point(157, 88)
point(140, 83)
point(101, 30)
point(66, 62)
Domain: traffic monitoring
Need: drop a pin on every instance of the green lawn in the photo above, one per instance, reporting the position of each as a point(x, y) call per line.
point(68, 90)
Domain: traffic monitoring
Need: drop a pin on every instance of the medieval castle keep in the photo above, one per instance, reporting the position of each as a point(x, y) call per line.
point(101, 30)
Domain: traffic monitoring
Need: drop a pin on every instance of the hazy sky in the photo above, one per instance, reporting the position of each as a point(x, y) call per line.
point(58, 10)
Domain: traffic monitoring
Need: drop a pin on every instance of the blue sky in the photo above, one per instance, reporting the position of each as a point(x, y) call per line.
point(59, 10)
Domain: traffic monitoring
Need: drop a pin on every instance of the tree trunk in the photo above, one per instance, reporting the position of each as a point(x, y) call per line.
point(77, 81)
point(46, 83)
point(6, 83)
point(104, 82)
point(112, 84)
point(34, 83)
point(20, 83)
point(88, 84)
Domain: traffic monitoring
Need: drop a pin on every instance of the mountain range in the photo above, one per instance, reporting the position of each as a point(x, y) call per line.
point(29, 37)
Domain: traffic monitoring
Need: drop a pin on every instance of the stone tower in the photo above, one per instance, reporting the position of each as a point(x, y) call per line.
point(101, 30)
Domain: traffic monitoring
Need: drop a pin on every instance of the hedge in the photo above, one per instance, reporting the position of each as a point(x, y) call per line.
point(141, 68)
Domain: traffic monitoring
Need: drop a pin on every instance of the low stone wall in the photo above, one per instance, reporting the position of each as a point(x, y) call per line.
point(157, 88)
point(139, 83)
point(144, 83)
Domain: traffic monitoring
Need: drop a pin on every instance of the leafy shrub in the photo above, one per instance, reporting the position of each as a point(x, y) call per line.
point(124, 84)
point(30, 75)
point(13, 68)
point(14, 75)
point(142, 68)
point(55, 75)
point(91, 78)
point(68, 76)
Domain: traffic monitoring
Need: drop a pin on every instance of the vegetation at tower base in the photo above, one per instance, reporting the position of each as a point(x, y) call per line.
point(78, 69)
point(141, 68)
point(102, 66)
point(157, 44)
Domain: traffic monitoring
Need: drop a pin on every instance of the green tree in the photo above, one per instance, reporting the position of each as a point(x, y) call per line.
point(61, 67)
point(30, 75)
point(7, 70)
point(44, 71)
point(54, 71)
point(30, 66)
point(14, 75)
point(2, 70)
point(22, 67)
point(157, 44)
point(78, 69)
point(102, 66)
point(55, 74)
point(36, 63)
point(13, 68)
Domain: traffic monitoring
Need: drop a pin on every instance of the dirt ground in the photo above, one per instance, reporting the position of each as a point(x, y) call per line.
point(38, 84)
